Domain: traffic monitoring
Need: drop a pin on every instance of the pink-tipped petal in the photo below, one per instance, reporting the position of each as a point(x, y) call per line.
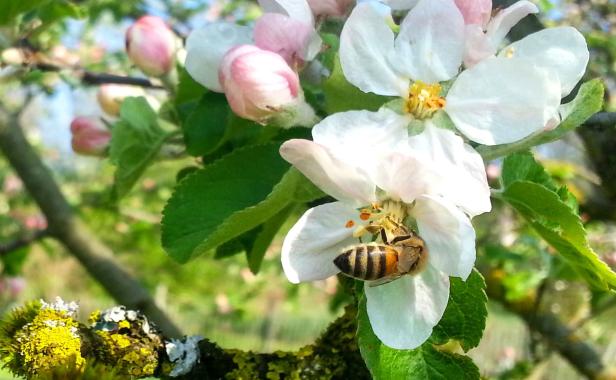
point(475, 11)
point(151, 45)
point(258, 83)
point(290, 38)
point(89, 136)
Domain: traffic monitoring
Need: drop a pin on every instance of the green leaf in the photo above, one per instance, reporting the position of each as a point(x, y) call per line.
point(522, 166)
point(57, 10)
point(264, 238)
point(425, 362)
point(465, 316)
point(340, 95)
point(561, 227)
point(239, 244)
point(188, 95)
point(205, 126)
point(588, 101)
point(136, 140)
point(11, 9)
point(229, 197)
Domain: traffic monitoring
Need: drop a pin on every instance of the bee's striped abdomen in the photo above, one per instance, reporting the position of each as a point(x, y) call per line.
point(368, 261)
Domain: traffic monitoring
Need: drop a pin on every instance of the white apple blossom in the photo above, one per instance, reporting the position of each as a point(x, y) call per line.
point(499, 100)
point(375, 170)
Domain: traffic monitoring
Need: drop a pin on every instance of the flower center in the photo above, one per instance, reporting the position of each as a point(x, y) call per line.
point(424, 100)
point(381, 218)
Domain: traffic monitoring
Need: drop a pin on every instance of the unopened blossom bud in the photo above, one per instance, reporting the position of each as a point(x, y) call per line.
point(151, 46)
point(294, 40)
point(111, 96)
point(90, 137)
point(261, 86)
point(476, 12)
point(332, 8)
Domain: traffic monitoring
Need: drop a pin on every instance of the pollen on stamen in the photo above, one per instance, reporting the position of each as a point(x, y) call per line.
point(349, 224)
point(424, 100)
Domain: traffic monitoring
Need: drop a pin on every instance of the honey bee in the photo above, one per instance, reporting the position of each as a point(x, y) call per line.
point(401, 253)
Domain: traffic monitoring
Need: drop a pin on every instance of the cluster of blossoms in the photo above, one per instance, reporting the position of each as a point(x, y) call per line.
point(407, 167)
point(152, 47)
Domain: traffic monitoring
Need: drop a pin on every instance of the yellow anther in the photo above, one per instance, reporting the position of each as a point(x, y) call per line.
point(510, 52)
point(424, 100)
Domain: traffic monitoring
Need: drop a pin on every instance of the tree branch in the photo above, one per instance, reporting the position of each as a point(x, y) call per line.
point(63, 225)
point(601, 120)
point(92, 78)
point(16, 244)
point(335, 355)
point(581, 355)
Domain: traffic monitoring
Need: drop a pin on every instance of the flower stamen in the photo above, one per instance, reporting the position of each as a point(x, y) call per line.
point(387, 216)
point(424, 100)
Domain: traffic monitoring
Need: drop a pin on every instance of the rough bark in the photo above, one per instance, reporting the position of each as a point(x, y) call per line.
point(69, 230)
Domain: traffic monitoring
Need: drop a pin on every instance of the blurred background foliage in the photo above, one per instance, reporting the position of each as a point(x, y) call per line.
point(221, 298)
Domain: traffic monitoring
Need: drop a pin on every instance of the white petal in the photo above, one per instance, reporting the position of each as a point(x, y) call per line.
point(502, 100)
point(336, 177)
point(205, 48)
point(403, 312)
point(404, 177)
point(448, 233)
point(316, 240)
point(296, 9)
point(359, 136)
point(366, 47)
point(461, 172)
point(401, 5)
point(477, 46)
point(430, 45)
point(501, 24)
point(561, 50)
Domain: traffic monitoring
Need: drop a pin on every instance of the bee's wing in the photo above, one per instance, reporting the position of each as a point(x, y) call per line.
point(384, 280)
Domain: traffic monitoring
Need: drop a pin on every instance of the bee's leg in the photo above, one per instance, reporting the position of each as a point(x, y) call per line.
point(384, 280)
point(384, 236)
point(408, 258)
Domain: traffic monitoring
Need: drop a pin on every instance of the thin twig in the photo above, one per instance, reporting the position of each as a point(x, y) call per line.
point(24, 241)
point(92, 78)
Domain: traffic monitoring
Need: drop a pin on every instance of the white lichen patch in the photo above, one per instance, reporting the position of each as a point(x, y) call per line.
point(70, 308)
point(114, 314)
point(184, 354)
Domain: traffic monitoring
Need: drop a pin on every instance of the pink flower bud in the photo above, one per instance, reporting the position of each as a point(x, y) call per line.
point(90, 137)
point(475, 11)
point(15, 286)
point(111, 96)
point(258, 83)
point(151, 45)
point(332, 8)
point(294, 40)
